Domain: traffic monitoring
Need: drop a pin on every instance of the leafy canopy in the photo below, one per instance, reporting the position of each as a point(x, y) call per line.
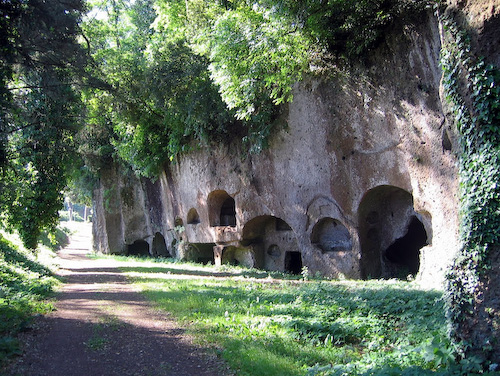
point(188, 72)
point(39, 110)
point(143, 81)
point(161, 97)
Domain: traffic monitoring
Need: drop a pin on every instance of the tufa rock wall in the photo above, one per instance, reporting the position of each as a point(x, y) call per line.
point(362, 181)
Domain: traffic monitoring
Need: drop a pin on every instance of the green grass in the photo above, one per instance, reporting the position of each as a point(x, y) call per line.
point(25, 285)
point(97, 342)
point(274, 324)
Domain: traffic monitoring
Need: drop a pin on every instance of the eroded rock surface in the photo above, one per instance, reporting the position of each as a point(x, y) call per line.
point(365, 165)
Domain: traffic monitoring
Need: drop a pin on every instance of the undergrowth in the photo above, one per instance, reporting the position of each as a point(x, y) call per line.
point(265, 324)
point(25, 285)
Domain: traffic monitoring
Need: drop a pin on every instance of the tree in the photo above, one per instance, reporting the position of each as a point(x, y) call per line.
point(40, 110)
point(160, 99)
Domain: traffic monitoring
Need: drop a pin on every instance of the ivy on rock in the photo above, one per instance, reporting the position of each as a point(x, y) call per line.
point(472, 88)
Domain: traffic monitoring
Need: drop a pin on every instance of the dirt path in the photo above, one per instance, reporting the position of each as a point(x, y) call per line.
point(101, 326)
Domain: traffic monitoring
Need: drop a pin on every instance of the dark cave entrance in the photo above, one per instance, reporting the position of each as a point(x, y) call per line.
point(269, 236)
point(391, 233)
point(202, 253)
point(228, 213)
point(405, 251)
point(228, 256)
point(221, 209)
point(293, 262)
point(193, 218)
point(159, 247)
point(281, 225)
point(138, 248)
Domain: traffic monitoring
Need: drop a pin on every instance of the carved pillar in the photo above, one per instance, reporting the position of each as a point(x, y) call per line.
point(218, 249)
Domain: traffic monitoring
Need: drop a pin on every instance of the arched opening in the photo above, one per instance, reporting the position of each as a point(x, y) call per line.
point(405, 251)
point(269, 237)
point(221, 209)
point(200, 252)
point(228, 256)
point(178, 222)
point(159, 247)
point(138, 248)
point(256, 229)
point(293, 262)
point(274, 251)
point(192, 217)
point(281, 225)
point(330, 235)
point(238, 256)
point(390, 233)
point(228, 213)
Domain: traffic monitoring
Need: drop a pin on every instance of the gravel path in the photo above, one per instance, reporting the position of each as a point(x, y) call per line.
point(101, 326)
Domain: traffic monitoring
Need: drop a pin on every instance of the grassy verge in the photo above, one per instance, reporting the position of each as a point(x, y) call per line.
point(272, 325)
point(25, 285)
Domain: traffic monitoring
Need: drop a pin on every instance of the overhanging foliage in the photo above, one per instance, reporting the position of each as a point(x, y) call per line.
point(185, 73)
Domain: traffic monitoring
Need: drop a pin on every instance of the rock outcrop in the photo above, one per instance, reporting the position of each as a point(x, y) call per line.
point(362, 181)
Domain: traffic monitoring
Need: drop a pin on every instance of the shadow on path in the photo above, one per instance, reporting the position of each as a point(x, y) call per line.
point(101, 326)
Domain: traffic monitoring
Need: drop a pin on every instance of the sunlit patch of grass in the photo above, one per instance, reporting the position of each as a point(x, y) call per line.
point(143, 264)
point(270, 324)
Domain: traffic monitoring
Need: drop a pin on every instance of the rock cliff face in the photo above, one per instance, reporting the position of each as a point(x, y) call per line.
point(361, 182)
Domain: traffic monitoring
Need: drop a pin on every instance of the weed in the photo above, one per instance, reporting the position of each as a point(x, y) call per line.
point(106, 324)
point(96, 342)
point(305, 273)
point(109, 323)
